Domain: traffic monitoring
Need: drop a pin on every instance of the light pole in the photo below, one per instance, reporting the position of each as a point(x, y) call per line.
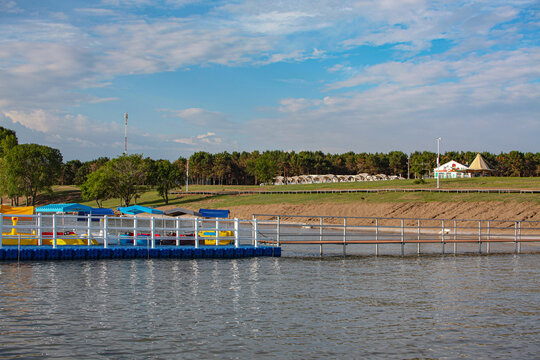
point(438, 173)
point(187, 176)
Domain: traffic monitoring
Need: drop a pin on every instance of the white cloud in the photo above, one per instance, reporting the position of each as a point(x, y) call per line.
point(35, 120)
point(208, 138)
point(48, 65)
point(295, 105)
point(102, 100)
point(198, 116)
point(52, 123)
point(492, 102)
point(9, 7)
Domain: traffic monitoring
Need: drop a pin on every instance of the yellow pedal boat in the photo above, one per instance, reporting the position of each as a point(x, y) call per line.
point(210, 237)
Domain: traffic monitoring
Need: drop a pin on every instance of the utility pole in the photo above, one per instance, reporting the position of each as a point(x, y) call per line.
point(438, 150)
point(187, 176)
point(125, 134)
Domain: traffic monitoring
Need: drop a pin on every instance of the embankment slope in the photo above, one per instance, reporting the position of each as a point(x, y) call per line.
point(430, 210)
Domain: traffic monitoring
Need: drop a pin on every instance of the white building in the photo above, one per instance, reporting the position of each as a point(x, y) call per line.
point(451, 170)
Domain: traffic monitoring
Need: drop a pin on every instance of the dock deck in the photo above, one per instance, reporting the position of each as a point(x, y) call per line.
point(66, 252)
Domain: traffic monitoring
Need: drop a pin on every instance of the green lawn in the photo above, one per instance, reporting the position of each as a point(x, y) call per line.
point(152, 199)
point(468, 183)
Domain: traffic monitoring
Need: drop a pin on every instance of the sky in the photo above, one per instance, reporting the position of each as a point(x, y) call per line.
point(336, 76)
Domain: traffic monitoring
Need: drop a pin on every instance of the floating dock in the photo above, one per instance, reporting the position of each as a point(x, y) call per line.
point(43, 253)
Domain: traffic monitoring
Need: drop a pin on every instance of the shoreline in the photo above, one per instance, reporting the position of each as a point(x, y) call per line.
point(517, 211)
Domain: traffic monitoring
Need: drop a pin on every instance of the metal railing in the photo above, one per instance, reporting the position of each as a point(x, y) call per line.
point(60, 229)
point(348, 230)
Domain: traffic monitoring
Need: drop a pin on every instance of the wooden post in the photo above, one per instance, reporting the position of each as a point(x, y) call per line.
point(479, 236)
point(321, 236)
point(376, 237)
point(402, 238)
point(515, 237)
point(488, 236)
point(455, 237)
point(519, 237)
point(442, 235)
point(344, 236)
point(418, 244)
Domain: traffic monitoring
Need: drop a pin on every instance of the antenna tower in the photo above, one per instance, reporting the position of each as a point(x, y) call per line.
point(125, 134)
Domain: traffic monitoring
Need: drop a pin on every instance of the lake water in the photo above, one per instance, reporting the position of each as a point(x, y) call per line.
point(294, 307)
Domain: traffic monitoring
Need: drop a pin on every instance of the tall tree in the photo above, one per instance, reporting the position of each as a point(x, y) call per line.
point(3, 179)
point(69, 170)
point(167, 177)
point(8, 139)
point(128, 173)
point(32, 168)
point(266, 167)
point(99, 186)
point(397, 161)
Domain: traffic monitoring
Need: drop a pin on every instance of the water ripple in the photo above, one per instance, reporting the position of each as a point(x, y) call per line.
point(306, 307)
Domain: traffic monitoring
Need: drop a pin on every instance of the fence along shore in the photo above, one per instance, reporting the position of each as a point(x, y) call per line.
point(299, 230)
point(272, 230)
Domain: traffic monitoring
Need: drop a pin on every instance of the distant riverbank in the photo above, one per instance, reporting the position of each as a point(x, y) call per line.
point(430, 210)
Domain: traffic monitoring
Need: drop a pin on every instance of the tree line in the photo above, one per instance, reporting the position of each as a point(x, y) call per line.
point(28, 169)
point(251, 168)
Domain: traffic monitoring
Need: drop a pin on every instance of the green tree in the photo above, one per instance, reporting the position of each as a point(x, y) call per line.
point(423, 163)
point(99, 186)
point(397, 162)
point(200, 166)
point(167, 176)
point(32, 168)
point(8, 139)
point(128, 174)
point(266, 167)
point(222, 166)
point(69, 171)
point(3, 179)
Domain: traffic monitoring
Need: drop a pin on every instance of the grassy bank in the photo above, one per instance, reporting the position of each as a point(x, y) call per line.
point(468, 183)
point(218, 200)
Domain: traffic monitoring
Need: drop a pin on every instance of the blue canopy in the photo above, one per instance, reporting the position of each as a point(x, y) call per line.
point(101, 211)
point(62, 208)
point(137, 209)
point(95, 212)
point(214, 213)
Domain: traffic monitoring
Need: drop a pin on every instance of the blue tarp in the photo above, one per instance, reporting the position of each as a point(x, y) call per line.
point(138, 209)
point(101, 211)
point(214, 213)
point(95, 212)
point(62, 208)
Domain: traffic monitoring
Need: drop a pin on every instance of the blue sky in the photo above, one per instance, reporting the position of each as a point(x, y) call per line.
point(336, 76)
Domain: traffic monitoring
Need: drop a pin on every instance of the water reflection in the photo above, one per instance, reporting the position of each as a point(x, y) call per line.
point(353, 307)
